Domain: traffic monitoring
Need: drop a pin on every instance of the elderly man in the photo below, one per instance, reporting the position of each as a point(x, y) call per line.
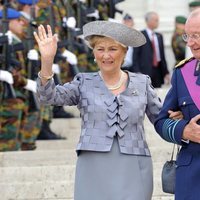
point(184, 95)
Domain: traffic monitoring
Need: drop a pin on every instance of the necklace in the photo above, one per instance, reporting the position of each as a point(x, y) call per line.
point(117, 85)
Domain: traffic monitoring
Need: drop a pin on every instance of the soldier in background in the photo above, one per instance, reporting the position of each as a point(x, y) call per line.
point(89, 12)
point(14, 111)
point(177, 42)
point(31, 12)
point(53, 12)
point(107, 8)
point(128, 60)
point(63, 10)
point(194, 5)
point(103, 8)
point(25, 87)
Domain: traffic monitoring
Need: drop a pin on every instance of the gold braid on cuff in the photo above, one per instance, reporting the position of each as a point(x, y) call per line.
point(45, 77)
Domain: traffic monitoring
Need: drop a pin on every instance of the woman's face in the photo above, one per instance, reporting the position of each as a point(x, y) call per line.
point(109, 54)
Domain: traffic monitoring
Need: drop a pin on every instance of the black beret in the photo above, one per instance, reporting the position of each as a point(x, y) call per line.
point(127, 17)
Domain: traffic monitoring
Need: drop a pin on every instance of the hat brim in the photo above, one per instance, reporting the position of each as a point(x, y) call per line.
point(119, 32)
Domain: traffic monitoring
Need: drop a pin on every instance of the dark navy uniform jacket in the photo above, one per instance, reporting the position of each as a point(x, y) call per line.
point(188, 160)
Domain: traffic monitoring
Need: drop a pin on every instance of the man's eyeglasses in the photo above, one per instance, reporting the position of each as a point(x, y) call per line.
point(194, 36)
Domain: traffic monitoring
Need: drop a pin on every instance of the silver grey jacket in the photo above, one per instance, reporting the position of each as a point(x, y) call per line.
point(105, 115)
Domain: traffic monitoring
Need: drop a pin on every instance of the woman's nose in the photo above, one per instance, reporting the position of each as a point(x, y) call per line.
point(106, 54)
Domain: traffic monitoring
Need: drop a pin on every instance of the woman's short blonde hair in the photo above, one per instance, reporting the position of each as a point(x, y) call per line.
point(97, 38)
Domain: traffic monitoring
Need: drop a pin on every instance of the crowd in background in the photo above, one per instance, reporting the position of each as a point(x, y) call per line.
point(22, 119)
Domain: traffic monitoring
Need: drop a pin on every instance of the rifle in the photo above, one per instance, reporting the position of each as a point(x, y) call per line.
point(71, 34)
point(83, 11)
point(32, 64)
point(8, 90)
point(113, 9)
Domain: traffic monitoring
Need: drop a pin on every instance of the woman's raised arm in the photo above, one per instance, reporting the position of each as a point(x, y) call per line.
point(47, 43)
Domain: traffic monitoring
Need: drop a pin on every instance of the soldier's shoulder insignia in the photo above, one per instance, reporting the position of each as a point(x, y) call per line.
point(183, 62)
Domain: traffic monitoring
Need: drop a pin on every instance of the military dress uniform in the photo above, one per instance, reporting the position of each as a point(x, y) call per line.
point(184, 96)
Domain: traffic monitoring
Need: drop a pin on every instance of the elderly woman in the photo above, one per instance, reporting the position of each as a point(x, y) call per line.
point(114, 161)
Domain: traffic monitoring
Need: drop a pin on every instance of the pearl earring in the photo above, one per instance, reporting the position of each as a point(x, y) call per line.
point(94, 60)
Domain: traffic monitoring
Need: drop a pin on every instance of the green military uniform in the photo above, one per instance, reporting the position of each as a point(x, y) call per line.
point(57, 12)
point(10, 121)
point(177, 42)
point(11, 110)
point(103, 8)
point(31, 122)
point(47, 12)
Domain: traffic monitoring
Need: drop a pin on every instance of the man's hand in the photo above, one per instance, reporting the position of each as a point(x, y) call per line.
point(167, 79)
point(192, 130)
point(175, 115)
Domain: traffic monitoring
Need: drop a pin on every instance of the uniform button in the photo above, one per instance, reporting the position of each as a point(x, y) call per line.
point(184, 103)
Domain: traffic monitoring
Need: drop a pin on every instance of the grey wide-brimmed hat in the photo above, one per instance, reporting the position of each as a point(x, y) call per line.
point(117, 31)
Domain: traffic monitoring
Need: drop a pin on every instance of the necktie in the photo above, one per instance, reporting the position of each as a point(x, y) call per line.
point(155, 61)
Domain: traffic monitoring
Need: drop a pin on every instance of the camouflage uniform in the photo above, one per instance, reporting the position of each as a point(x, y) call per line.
point(11, 110)
point(44, 18)
point(10, 123)
point(103, 8)
point(31, 120)
point(178, 45)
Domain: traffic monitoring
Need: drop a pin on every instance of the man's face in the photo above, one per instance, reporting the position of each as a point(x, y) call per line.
point(193, 35)
point(153, 22)
point(129, 23)
point(17, 26)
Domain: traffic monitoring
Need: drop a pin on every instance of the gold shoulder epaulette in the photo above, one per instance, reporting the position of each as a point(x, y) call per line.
point(182, 62)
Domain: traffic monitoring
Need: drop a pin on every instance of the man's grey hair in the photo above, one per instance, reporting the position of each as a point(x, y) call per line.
point(193, 14)
point(148, 15)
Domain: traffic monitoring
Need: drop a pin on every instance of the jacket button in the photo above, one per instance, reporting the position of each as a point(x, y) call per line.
point(184, 103)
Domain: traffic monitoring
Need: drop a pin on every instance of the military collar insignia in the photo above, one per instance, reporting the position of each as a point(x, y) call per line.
point(183, 62)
